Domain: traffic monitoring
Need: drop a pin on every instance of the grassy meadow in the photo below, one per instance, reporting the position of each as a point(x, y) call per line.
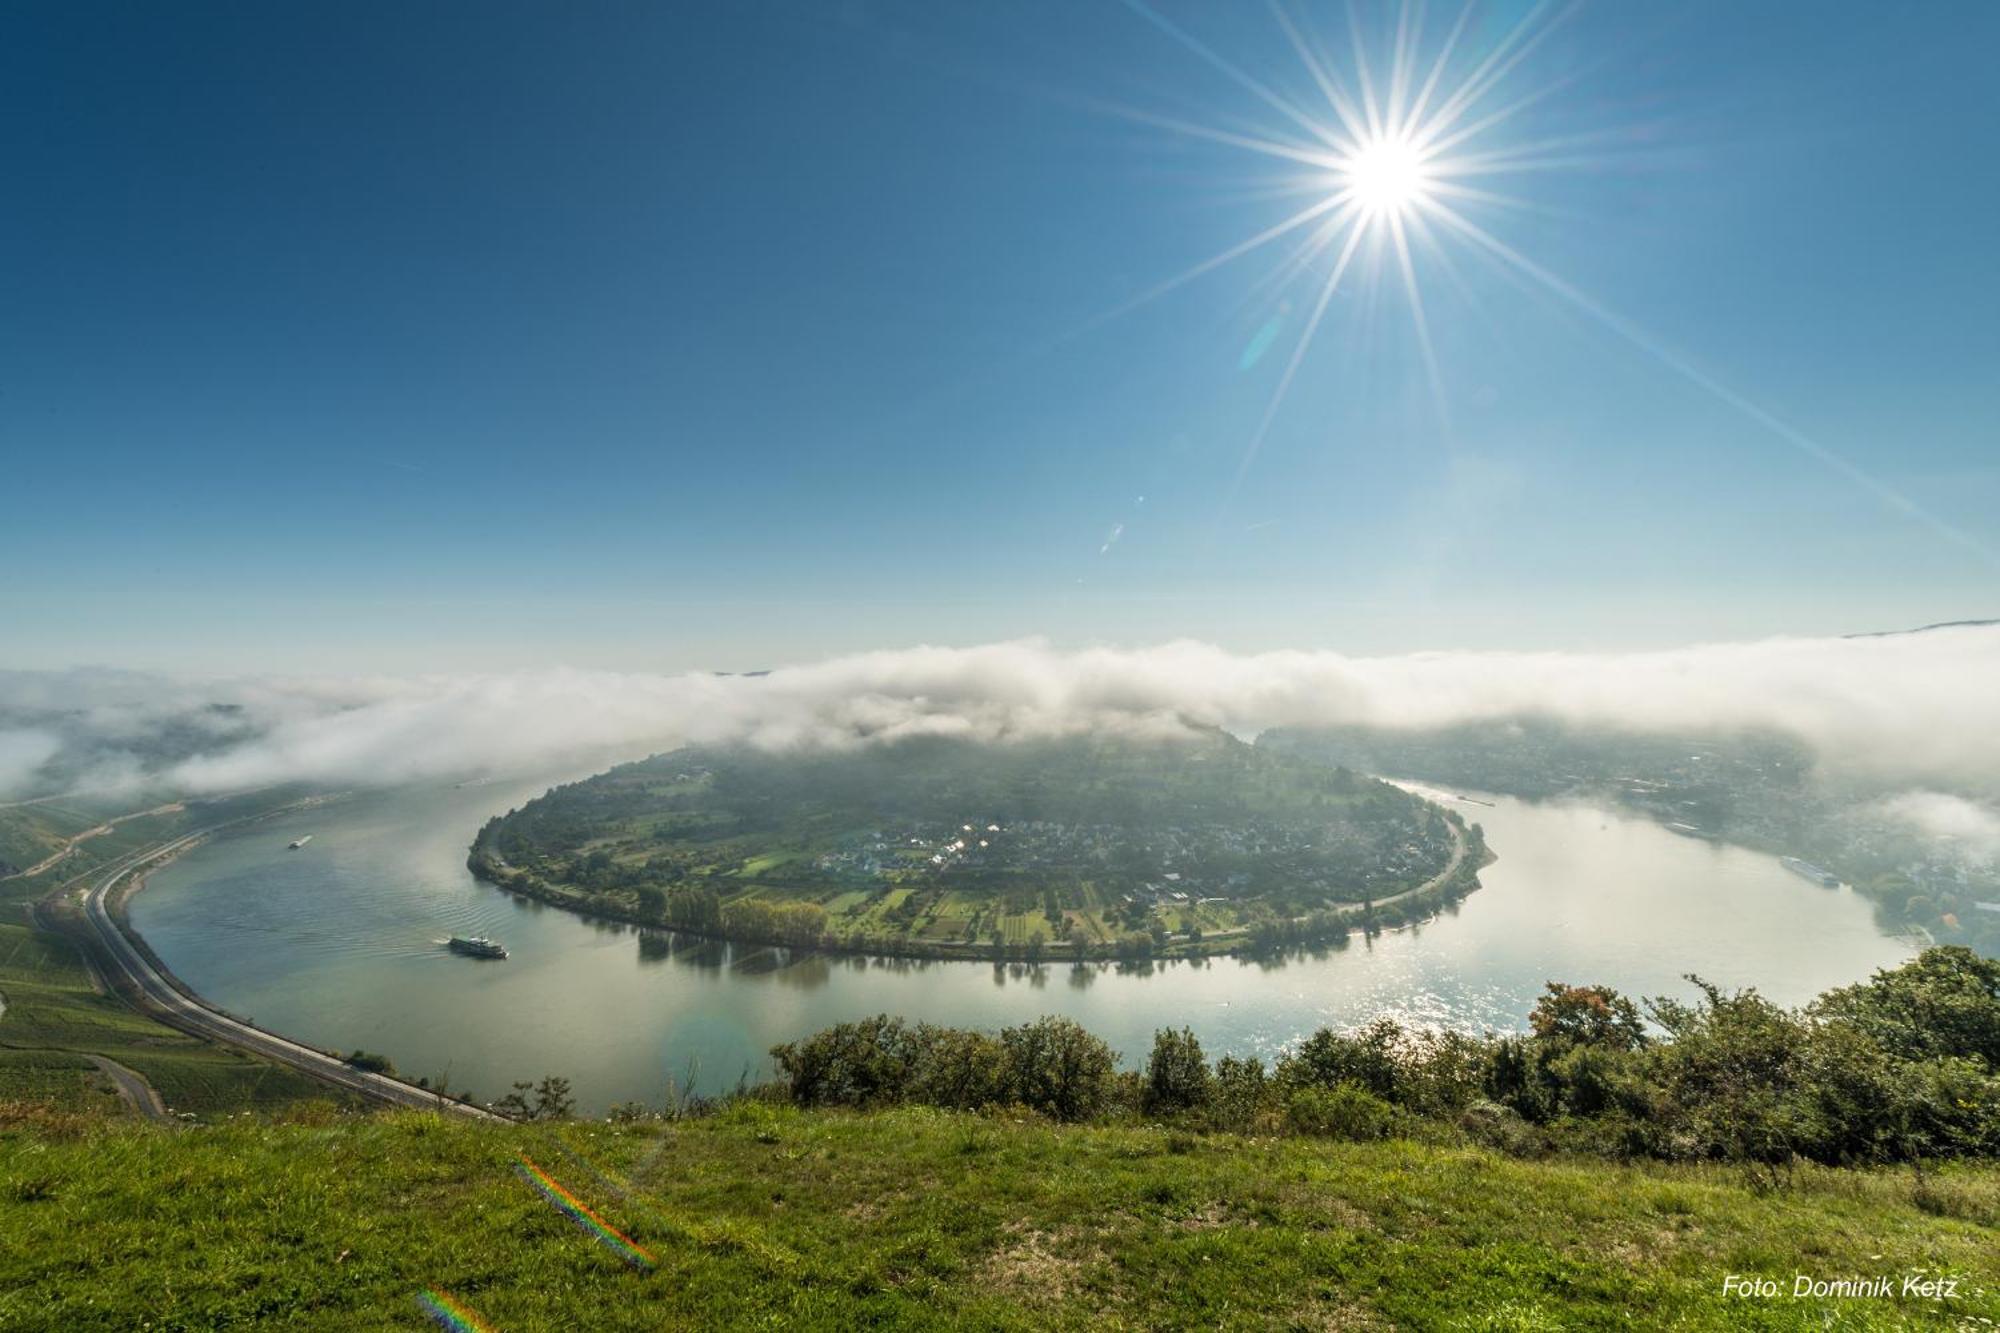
point(916, 1217)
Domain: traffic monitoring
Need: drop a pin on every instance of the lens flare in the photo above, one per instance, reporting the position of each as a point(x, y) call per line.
point(448, 1312)
point(577, 1211)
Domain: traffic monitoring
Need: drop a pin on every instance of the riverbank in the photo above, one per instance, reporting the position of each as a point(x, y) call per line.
point(64, 1024)
point(338, 946)
point(1331, 926)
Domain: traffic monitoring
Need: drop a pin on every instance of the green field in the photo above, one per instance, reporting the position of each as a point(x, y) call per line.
point(59, 1078)
point(919, 1218)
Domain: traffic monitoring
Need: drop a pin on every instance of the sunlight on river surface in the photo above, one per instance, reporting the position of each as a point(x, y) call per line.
point(339, 943)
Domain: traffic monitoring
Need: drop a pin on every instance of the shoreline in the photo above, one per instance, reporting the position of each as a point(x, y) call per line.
point(152, 988)
point(1445, 887)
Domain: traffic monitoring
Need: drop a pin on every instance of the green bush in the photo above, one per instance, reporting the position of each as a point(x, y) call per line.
point(1344, 1111)
point(1898, 1069)
point(1326, 1059)
point(959, 1069)
point(1240, 1094)
point(1177, 1077)
point(865, 1063)
point(1501, 1128)
point(1057, 1068)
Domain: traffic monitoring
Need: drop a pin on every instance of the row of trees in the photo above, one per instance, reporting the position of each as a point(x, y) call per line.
point(1905, 1067)
point(1051, 1065)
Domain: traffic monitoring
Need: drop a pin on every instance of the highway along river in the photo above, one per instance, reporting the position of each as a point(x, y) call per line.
point(337, 944)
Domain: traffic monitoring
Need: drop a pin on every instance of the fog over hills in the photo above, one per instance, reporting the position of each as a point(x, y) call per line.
point(1909, 712)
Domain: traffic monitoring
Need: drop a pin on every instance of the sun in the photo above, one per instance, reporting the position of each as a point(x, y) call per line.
point(1386, 176)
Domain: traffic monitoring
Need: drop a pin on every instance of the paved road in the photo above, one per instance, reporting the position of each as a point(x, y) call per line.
point(1458, 851)
point(129, 969)
point(132, 1087)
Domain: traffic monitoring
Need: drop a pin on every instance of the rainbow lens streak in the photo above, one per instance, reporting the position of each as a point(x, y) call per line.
point(448, 1312)
point(579, 1212)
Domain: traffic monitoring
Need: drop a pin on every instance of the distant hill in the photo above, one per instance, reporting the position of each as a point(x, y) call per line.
point(1922, 629)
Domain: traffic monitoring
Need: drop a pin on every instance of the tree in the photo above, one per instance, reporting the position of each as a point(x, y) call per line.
point(548, 1100)
point(1177, 1075)
point(1057, 1068)
point(1588, 1016)
point(1943, 1002)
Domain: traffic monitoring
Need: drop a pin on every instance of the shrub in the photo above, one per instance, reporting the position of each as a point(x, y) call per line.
point(1239, 1095)
point(1501, 1128)
point(1892, 1071)
point(864, 1063)
point(1944, 1002)
point(1344, 1111)
point(1057, 1068)
point(1442, 1072)
point(1177, 1076)
point(1594, 1080)
point(958, 1069)
point(1515, 1079)
point(1367, 1056)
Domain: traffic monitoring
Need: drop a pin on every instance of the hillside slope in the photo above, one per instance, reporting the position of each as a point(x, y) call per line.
point(923, 1218)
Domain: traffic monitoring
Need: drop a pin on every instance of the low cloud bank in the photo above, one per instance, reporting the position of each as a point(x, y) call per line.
point(23, 752)
point(1968, 827)
point(1913, 710)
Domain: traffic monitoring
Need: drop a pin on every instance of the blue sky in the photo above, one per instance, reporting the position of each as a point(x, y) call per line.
point(381, 337)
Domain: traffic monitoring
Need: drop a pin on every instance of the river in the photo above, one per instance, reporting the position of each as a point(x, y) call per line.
point(338, 944)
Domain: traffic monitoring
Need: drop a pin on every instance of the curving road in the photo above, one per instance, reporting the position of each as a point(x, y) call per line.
point(131, 972)
point(1458, 851)
point(131, 1087)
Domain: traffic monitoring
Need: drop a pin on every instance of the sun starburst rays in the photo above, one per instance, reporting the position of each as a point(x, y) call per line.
point(1389, 163)
point(1385, 151)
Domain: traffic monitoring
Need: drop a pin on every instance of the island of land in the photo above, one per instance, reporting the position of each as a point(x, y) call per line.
point(1083, 847)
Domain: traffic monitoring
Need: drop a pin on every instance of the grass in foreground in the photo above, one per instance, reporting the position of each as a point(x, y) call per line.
point(921, 1218)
